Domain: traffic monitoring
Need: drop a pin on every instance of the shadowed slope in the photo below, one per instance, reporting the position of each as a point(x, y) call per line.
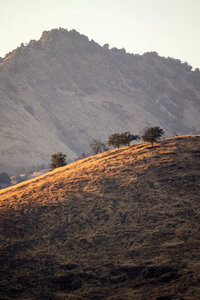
point(120, 225)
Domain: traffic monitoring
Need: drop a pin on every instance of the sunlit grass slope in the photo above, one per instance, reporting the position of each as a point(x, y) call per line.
point(123, 224)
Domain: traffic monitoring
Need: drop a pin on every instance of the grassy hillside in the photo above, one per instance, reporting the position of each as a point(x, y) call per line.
point(119, 225)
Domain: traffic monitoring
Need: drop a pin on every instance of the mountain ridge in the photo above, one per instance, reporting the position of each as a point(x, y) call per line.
point(61, 91)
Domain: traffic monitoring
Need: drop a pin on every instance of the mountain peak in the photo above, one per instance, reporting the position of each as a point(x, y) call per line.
point(71, 90)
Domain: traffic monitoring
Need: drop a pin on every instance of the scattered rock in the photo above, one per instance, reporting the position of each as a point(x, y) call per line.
point(157, 185)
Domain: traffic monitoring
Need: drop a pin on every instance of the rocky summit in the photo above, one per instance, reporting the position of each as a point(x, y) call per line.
point(59, 92)
point(124, 224)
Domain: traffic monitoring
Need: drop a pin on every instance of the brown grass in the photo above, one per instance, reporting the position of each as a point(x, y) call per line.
point(123, 224)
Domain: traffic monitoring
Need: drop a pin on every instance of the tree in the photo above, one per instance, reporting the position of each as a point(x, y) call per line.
point(127, 138)
point(4, 178)
point(152, 134)
point(57, 160)
point(115, 140)
point(97, 146)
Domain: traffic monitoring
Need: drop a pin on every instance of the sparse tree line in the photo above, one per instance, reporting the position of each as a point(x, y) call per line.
point(116, 140)
point(151, 135)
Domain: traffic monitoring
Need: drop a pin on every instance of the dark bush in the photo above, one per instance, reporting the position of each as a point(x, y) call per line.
point(57, 160)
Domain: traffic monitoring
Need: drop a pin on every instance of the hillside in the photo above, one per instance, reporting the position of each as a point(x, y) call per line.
point(59, 92)
point(123, 224)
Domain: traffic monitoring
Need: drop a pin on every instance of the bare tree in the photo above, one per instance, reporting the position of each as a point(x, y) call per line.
point(96, 146)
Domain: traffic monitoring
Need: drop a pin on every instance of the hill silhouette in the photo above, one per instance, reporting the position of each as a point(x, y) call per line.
point(123, 224)
point(60, 92)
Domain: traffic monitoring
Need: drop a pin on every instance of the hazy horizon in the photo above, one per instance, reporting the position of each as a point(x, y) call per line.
point(170, 28)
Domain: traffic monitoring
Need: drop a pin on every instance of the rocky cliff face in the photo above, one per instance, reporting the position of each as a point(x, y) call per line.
point(58, 93)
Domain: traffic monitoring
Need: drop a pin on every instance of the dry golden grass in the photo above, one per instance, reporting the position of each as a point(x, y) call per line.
point(123, 224)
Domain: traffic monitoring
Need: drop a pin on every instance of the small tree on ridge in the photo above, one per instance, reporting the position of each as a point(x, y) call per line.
point(115, 140)
point(57, 160)
point(97, 146)
point(127, 138)
point(152, 134)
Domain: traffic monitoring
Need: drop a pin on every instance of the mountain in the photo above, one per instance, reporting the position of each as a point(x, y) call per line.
point(59, 92)
point(123, 224)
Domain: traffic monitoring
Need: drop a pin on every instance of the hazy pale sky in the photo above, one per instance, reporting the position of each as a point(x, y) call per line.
point(169, 27)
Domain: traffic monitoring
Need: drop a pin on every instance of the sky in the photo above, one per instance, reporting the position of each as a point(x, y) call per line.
point(169, 27)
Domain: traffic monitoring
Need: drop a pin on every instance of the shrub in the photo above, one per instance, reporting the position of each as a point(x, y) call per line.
point(57, 160)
